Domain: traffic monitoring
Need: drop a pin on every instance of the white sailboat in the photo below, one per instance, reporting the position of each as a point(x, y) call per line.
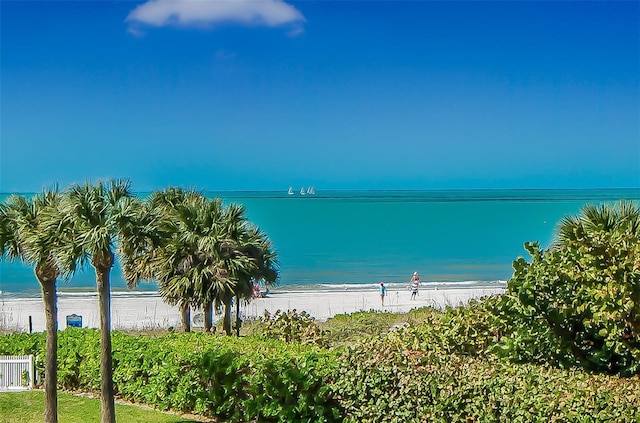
point(290, 192)
point(302, 191)
point(311, 191)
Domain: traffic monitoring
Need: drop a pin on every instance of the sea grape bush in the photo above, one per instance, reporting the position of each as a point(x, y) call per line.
point(291, 326)
point(583, 299)
point(523, 336)
point(470, 330)
point(344, 328)
point(387, 380)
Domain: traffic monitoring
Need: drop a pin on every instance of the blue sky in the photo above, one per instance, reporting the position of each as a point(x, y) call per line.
point(261, 95)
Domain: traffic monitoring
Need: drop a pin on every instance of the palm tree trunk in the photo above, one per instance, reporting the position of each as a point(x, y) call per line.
point(106, 365)
point(227, 317)
point(208, 316)
point(185, 315)
point(238, 316)
point(51, 360)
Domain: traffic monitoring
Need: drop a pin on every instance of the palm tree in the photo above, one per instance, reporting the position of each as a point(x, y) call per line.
point(234, 262)
point(30, 231)
point(249, 257)
point(262, 266)
point(153, 259)
point(186, 262)
point(624, 215)
point(97, 215)
point(204, 254)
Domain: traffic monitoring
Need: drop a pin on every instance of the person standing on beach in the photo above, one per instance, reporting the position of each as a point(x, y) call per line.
point(383, 293)
point(414, 285)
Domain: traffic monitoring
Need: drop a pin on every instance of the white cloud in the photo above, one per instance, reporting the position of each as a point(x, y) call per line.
point(208, 12)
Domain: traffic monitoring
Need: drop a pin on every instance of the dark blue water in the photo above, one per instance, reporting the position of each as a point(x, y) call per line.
point(452, 238)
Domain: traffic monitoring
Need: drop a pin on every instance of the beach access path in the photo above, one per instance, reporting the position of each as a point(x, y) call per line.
point(147, 311)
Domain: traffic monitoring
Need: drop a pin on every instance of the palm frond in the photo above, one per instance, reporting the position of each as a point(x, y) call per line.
point(29, 231)
point(622, 216)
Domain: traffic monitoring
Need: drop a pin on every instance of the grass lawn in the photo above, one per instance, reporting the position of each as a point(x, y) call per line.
point(28, 407)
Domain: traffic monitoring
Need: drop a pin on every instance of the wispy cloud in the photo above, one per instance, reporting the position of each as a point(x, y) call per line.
point(224, 55)
point(187, 13)
point(296, 31)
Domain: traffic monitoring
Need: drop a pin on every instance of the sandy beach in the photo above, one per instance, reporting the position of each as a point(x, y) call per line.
point(148, 311)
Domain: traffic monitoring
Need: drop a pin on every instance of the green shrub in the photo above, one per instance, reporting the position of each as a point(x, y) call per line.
point(346, 328)
point(291, 326)
point(232, 379)
point(583, 301)
point(386, 380)
point(26, 344)
point(469, 330)
point(440, 367)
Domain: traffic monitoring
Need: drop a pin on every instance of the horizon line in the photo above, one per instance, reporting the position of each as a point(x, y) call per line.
point(372, 190)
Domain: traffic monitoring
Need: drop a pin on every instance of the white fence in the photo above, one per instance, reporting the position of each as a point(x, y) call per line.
point(16, 372)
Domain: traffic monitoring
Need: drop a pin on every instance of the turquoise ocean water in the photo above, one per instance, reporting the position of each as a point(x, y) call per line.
point(354, 239)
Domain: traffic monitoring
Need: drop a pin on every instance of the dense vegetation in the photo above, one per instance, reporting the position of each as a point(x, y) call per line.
point(448, 366)
point(578, 303)
point(560, 345)
point(232, 379)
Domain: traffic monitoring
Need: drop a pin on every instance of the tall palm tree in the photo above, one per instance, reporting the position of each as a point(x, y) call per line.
point(249, 257)
point(30, 231)
point(186, 262)
point(154, 259)
point(233, 221)
point(205, 254)
point(262, 265)
point(96, 214)
point(205, 237)
point(624, 215)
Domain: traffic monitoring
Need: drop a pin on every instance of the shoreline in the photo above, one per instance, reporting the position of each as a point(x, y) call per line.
point(90, 291)
point(147, 311)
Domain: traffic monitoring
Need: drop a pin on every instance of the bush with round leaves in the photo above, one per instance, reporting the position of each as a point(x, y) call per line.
point(583, 299)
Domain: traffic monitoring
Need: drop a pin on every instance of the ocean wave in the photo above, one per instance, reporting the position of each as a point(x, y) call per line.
point(78, 293)
point(325, 287)
point(393, 286)
point(114, 294)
